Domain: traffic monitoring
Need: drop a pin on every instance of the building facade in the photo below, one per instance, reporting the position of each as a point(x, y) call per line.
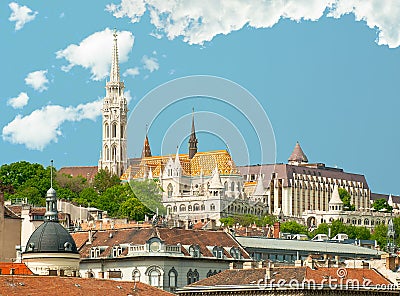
point(167, 258)
point(113, 156)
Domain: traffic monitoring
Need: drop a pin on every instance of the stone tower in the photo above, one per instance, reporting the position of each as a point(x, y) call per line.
point(113, 155)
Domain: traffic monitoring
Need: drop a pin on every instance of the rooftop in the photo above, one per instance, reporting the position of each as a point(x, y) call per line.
point(72, 286)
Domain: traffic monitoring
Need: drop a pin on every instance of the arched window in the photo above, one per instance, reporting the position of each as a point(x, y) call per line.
point(233, 186)
point(192, 276)
point(196, 207)
point(114, 130)
point(174, 209)
point(106, 130)
point(107, 153)
point(189, 208)
point(136, 275)
point(122, 131)
point(182, 208)
point(235, 253)
point(154, 278)
point(114, 153)
point(226, 185)
point(173, 278)
point(90, 274)
point(194, 251)
point(203, 207)
point(212, 207)
point(169, 190)
point(218, 252)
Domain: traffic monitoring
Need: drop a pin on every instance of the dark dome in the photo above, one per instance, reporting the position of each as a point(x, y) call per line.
point(51, 237)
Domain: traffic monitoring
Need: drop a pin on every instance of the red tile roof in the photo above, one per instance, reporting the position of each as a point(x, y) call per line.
point(73, 286)
point(171, 236)
point(19, 268)
point(87, 172)
point(320, 275)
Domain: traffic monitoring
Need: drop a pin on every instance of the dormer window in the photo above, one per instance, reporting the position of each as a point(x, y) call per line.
point(218, 252)
point(94, 252)
point(194, 251)
point(117, 251)
point(235, 253)
point(154, 244)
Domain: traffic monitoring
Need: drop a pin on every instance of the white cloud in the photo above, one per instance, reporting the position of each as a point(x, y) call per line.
point(92, 53)
point(150, 63)
point(37, 80)
point(21, 15)
point(43, 126)
point(200, 21)
point(19, 102)
point(131, 72)
point(128, 96)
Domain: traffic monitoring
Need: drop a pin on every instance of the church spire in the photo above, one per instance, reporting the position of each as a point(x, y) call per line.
point(114, 74)
point(146, 152)
point(192, 139)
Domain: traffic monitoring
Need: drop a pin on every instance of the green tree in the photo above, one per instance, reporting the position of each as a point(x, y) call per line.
point(293, 227)
point(228, 221)
point(268, 220)
point(346, 199)
point(380, 235)
point(104, 180)
point(381, 205)
point(323, 228)
point(75, 184)
point(88, 196)
point(149, 194)
point(132, 208)
point(112, 199)
point(32, 195)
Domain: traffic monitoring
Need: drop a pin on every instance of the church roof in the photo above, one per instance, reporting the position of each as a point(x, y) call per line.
point(298, 154)
point(51, 237)
point(202, 162)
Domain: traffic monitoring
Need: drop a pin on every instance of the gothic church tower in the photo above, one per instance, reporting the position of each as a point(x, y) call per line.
point(113, 155)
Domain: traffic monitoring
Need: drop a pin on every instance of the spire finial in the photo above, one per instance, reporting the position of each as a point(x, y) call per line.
point(51, 173)
point(114, 74)
point(192, 139)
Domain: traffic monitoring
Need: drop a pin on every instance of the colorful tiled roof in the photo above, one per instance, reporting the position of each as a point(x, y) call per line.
point(73, 286)
point(202, 162)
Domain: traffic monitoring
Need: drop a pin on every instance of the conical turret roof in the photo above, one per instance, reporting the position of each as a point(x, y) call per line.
point(216, 180)
point(335, 199)
point(298, 154)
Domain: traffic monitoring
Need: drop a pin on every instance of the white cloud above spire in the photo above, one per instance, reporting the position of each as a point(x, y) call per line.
point(21, 14)
point(200, 21)
point(94, 52)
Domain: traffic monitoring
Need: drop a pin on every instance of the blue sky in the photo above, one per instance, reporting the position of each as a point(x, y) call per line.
point(325, 72)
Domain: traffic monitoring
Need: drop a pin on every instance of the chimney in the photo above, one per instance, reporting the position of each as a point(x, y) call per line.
point(277, 229)
point(391, 263)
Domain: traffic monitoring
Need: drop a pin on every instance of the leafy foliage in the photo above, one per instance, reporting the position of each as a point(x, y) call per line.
point(149, 194)
point(382, 205)
point(346, 199)
point(248, 219)
point(293, 227)
point(103, 180)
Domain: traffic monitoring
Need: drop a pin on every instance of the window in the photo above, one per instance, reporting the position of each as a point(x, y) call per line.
point(203, 207)
point(117, 251)
point(174, 209)
point(182, 208)
point(122, 131)
point(114, 130)
point(189, 208)
point(136, 275)
point(226, 186)
point(194, 251)
point(114, 274)
point(154, 278)
point(192, 276)
point(114, 153)
point(233, 186)
point(218, 252)
point(173, 278)
point(235, 253)
point(107, 130)
point(89, 274)
point(196, 207)
point(94, 252)
point(169, 190)
point(212, 207)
